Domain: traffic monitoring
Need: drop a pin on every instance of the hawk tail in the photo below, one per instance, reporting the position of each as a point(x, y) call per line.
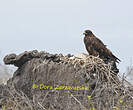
point(116, 59)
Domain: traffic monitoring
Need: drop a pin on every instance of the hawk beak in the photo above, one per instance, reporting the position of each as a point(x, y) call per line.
point(84, 33)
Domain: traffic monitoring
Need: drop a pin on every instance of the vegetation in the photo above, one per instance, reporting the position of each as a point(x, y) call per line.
point(107, 91)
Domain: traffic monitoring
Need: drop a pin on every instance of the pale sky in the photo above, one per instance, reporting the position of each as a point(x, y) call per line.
point(56, 26)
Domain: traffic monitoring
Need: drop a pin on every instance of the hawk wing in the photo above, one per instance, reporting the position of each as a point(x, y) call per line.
point(98, 47)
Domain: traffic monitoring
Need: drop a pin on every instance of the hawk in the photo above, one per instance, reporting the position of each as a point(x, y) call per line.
point(96, 47)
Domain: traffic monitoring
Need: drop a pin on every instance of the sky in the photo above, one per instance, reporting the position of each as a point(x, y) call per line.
point(56, 26)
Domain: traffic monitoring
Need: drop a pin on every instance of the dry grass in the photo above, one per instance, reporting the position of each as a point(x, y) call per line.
point(109, 93)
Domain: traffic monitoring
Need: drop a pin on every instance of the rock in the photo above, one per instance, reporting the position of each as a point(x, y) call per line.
point(56, 82)
point(19, 60)
point(10, 59)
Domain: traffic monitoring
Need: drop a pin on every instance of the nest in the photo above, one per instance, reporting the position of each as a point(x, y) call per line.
point(94, 66)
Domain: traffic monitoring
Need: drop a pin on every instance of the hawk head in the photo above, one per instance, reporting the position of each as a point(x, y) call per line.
point(88, 33)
